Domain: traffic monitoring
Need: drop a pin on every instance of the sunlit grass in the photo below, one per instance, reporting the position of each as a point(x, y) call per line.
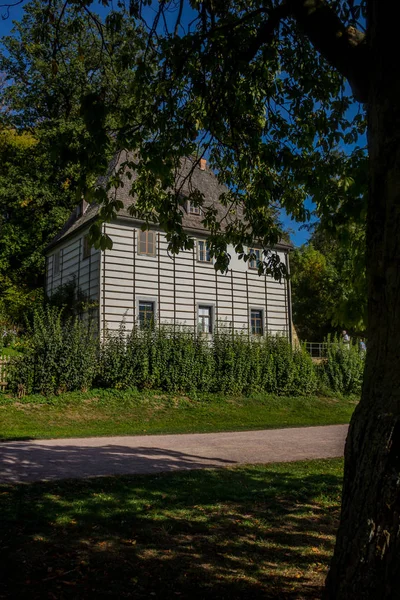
point(111, 412)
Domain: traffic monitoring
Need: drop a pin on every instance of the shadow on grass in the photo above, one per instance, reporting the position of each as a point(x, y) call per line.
point(250, 532)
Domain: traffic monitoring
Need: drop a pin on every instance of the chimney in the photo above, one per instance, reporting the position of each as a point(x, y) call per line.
point(203, 163)
point(81, 208)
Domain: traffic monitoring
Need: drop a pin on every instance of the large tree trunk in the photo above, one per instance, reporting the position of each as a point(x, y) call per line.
point(366, 563)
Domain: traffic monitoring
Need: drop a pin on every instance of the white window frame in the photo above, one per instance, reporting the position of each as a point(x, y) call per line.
point(262, 311)
point(253, 263)
point(147, 233)
point(205, 251)
point(193, 210)
point(146, 300)
point(210, 308)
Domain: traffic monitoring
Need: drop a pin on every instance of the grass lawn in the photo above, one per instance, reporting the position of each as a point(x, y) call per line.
point(6, 352)
point(250, 532)
point(105, 412)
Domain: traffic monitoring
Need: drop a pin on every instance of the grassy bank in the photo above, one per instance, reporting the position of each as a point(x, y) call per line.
point(105, 412)
point(250, 532)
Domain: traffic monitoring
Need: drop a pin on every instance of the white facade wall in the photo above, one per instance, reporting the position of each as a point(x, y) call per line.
point(119, 278)
point(177, 285)
point(72, 265)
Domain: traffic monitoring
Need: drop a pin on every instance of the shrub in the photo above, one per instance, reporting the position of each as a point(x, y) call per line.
point(65, 354)
point(343, 369)
point(166, 358)
point(60, 355)
point(174, 360)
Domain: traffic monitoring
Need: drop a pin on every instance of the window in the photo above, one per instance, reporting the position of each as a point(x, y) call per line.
point(147, 243)
point(56, 263)
point(87, 248)
point(253, 263)
point(205, 319)
point(146, 314)
point(203, 251)
point(256, 321)
point(193, 210)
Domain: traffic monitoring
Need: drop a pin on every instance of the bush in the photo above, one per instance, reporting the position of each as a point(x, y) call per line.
point(65, 354)
point(174, 360)
point(166, 358)
point(60, 355)
point(343, 369)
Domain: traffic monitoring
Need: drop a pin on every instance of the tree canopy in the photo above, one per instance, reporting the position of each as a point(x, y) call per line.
point(329, 291)
point(53, 59)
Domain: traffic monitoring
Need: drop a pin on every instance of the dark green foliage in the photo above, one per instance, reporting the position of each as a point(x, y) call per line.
point(53, 67)
point(343, 369)
point(64, 354)
point(71, 299)
point(269, 364)
point(175, 360)
point(328, 281)
point(61, 355)
point(164, 358)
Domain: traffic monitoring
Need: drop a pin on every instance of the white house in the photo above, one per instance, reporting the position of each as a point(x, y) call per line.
point(138, 279)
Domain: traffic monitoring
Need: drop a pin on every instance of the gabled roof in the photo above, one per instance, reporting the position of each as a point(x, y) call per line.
point(203, 180)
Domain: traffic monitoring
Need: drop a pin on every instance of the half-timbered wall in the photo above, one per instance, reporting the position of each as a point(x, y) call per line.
point(73, 265)
point(178, 285)
point(118, 279)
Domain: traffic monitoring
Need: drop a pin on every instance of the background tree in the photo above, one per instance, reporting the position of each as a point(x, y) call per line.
point(328, 282)
point(313, 304)
point(57, 58)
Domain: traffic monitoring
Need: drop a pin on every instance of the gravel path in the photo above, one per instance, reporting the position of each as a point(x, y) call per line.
point(38, 460)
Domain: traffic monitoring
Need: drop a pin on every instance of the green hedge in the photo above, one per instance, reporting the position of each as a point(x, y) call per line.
point(173, 359)
point(64, 355)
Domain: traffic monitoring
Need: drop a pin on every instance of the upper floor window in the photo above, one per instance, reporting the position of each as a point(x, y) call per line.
point(56, 263)
point(256, 321)
point(205, 319)
point(87, 248)
point(146, 314)
point(193, 210)
point(254, 262)
point(147, 243)
point(203, 251)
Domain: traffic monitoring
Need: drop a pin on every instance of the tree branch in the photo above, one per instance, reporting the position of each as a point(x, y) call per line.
point(267, 30)
point(344, 48)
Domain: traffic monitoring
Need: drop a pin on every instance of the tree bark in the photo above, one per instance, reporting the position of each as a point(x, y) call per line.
point(366, 562)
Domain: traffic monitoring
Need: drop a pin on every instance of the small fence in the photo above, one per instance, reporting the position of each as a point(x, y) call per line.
point(4, 363)
point(316, 349)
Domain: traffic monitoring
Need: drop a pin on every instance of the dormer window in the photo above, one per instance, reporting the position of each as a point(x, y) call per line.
point(193, 210)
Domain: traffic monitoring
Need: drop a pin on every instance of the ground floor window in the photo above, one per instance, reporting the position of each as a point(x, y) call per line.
point(256, 321)
point(146, 314)
point(205, 319)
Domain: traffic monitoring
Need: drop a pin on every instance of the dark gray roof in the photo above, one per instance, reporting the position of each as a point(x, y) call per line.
point(204, 181)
